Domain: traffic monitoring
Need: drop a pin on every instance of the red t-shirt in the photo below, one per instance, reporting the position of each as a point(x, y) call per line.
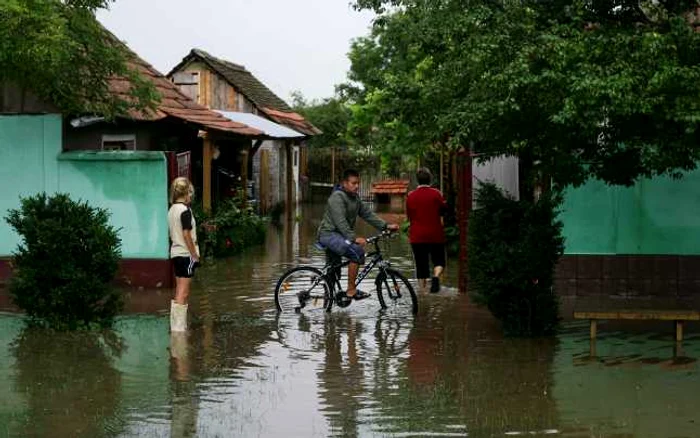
point(424, 206)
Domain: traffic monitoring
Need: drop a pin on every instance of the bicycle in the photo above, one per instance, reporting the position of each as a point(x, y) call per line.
point(310, 288)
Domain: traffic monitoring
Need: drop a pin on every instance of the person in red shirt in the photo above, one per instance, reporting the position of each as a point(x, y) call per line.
point(425, 206)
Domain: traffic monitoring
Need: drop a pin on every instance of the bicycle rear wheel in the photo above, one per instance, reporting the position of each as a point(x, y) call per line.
point(395, 293)
point(303, 288)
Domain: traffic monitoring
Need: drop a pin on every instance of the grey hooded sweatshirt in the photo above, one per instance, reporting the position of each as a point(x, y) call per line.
point(341, 214)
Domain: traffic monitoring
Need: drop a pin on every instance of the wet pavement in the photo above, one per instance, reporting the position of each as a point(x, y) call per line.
point(245, 371)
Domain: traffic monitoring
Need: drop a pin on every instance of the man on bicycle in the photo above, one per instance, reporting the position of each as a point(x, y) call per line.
point(337, 229)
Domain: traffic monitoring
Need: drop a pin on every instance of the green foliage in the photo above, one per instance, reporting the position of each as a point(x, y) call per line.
point(58, 50)
point(230, 230)
point(604, 89)
point(331, 116)
point(319, 163)
point(452, 239)
point(514, 247)
point(66, 263)
point(345, 127)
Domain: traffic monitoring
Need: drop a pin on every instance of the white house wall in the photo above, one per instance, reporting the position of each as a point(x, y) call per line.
point(503, 171)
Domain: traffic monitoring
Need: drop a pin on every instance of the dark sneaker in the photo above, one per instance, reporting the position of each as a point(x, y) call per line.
point(435, 285)
point(360, 295)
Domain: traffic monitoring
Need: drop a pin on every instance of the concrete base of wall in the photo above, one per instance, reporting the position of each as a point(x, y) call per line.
point(136, 273)
point(628, 276)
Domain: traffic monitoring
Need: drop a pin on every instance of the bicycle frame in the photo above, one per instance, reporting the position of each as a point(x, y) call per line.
point(376, 259)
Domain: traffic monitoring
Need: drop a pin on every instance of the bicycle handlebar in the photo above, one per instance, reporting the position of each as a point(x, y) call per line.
point(383, 234)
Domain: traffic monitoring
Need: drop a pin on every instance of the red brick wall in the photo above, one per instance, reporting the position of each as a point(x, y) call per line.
point(628, 276)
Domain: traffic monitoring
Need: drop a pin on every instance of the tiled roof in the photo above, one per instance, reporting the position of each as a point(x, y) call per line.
point(173, 102)
point(248, 85)
point(390, 187)
point(244, 81)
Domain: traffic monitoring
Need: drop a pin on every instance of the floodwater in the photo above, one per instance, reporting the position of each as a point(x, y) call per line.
point(244, 371)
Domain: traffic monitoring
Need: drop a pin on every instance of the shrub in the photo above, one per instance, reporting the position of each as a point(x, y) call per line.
point(230, 229)
point(64, 267)
point(514, 247)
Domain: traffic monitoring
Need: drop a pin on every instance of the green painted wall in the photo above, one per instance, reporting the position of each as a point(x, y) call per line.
point(659, 216)
point(131, 185)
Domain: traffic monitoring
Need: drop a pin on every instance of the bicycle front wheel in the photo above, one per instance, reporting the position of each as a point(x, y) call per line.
point(302, 289)
point(395, 293)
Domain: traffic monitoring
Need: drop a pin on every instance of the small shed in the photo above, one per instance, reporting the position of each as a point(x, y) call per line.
point(391, 192)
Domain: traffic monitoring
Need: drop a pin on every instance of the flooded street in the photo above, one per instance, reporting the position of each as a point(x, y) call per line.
point(245, 371)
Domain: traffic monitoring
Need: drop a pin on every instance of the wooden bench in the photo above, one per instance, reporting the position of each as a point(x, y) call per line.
point(677, 316)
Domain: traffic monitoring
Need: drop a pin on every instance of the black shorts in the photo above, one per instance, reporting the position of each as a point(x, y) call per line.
point(423, 253)
point(184, 266)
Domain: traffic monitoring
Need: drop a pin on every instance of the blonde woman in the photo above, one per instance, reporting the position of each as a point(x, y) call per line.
point(184, 251)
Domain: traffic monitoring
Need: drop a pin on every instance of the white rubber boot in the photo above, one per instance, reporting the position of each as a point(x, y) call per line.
point(178, 317)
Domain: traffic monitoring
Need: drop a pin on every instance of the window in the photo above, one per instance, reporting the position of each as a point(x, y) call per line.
point(189, 84)
point(119, 142)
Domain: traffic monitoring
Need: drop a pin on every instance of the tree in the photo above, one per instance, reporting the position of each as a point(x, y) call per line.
point(515, 245)
point(331, 116)
point(602, 89)
point(59, 51)
point(334, 116)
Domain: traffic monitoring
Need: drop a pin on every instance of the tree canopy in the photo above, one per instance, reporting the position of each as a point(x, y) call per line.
point(607, 89)
point(59, 51)
point(331, 116)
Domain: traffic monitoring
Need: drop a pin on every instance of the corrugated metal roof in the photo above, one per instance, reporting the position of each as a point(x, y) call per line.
point(269, 128)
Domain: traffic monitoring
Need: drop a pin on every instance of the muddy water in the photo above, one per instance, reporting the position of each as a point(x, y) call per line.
point(244, 371)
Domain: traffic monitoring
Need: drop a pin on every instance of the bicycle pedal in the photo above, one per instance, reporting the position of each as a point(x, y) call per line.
point(342, 300)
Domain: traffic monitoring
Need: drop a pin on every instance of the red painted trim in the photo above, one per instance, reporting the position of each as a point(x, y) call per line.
point(137, 273)
point(146, 273)
point(5, 270)
point(172, 167)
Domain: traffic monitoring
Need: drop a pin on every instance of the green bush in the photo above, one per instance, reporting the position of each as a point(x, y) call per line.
point(230, 229)
point(513, 250)
point(64, 267)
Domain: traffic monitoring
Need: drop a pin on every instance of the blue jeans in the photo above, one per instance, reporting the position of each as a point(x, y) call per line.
point(340, 246)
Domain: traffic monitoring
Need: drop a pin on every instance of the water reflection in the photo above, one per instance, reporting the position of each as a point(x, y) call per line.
point(341, 377)
point(69, 384)
point(184, 394)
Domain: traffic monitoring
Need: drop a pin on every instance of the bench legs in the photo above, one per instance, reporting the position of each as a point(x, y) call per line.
point(678, 324)
point(679, 331)
point(594, 328)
